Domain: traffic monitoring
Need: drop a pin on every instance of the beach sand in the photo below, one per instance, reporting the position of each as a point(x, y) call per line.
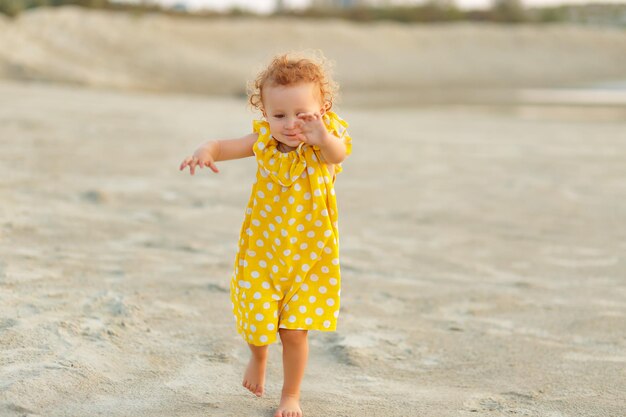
point(482, 260)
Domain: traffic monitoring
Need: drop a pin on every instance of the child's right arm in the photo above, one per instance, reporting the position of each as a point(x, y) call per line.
point(219, 150)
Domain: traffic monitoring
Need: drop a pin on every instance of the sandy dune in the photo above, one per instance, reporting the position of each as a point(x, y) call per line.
point(160, 53)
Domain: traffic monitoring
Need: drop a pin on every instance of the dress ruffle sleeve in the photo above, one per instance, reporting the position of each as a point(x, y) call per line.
point(339, 128)
point(283, 168)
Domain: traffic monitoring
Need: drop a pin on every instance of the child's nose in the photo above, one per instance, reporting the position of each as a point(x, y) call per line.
point(291, 123)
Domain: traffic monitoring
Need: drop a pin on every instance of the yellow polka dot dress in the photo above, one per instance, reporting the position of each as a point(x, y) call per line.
point(286, 274)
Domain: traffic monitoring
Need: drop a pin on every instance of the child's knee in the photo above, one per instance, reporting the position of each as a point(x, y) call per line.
point(293, 336)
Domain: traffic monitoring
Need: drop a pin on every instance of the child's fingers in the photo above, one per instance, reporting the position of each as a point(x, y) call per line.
point(306, 116)
point(212, 165)
point(185, 163)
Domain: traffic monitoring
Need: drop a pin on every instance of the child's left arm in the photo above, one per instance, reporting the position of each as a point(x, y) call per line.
point(314, 132)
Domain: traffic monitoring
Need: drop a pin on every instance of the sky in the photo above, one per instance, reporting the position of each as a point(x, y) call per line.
point(265, 6)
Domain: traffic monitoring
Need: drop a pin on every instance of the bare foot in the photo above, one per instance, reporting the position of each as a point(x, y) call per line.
point(254, 378)
point(289, 406)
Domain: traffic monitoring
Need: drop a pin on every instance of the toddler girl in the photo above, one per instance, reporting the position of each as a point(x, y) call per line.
point(286, 277)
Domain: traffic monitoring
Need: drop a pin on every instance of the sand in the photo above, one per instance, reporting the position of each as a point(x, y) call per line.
point(199, 56)
point(482, 260)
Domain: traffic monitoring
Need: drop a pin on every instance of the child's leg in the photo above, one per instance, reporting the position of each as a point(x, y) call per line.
point(295, 355)
point(254, 378)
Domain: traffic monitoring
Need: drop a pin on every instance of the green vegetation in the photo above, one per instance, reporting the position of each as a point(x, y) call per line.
point(503, 11)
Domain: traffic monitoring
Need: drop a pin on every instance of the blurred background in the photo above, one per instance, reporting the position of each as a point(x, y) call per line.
point(481, 224)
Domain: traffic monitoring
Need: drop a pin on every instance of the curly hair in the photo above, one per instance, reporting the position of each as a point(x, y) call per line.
point(291, 69)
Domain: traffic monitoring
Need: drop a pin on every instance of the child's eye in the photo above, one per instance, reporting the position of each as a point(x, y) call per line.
point(279, 116)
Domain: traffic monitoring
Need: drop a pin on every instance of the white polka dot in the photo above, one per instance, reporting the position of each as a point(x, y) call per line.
point(326, 324)
point(312, 299)
point(325, 269)
point(308, 217)
point(304, 287)
point(322, 289)
point(286, 252)
point(333, 281)
point(263, 131)
point(310, 170)
point(268, 207)
point(262, 264)
point(260, 316)
point(269, 185)
point(291, 200)
point(314, 277)
point(266, 235)
point(330, 302)
point(263, 339)
point(324, 212)
point(284, 210)
point(298, 279)
point(266, 285)
point(299, 208)
point(255, 222)
point(257, 295)
point(283, 233)
point(266, 305)
point(260, 194)
point(272, 227)
point(300, 228)
point(320, 244)
point(244, 284)
point(327, 233)
point(274, 269)
point(327, 250)
point(335, 261)
point(276, 199)
point(297, 187)
point(317, 193)
point(271, 326)
point(292, 319)
point(296, 257)
point(310, 234)
point(269, 255)
point(307, 196)
point(293, 239)
point(308, 321)
point(313, 255)
point(252, 328)
point(302, 309)
point(291, 221)
point(263, 213)
point(336, 313)
point(278, 219)
point(251, 253)
point(277, 241)
point(259, 242)
point(275, 297)
point(319, 311)
point(305, 267)
point(303, 246)
point(318, 223)
point(254, 274)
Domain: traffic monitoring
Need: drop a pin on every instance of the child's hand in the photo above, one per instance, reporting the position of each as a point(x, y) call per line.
point(201, 157)
point(312, 129)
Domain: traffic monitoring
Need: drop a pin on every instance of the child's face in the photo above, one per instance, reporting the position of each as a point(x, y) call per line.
point(283, 103)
